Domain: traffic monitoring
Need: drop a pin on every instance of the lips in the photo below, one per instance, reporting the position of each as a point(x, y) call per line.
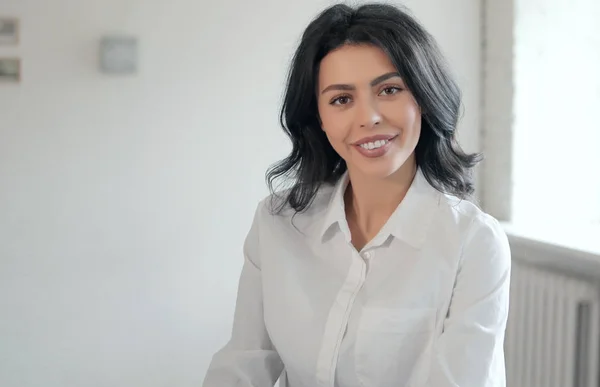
point(374, 146)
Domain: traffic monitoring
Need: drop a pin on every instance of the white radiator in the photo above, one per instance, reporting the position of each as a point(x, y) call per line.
point(552, 337)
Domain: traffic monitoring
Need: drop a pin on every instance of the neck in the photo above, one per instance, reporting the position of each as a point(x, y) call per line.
point(371, 201)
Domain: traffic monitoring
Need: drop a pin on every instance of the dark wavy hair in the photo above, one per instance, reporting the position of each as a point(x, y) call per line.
point(419, 61)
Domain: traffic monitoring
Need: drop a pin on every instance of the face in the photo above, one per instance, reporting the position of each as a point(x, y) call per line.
point(372, 121)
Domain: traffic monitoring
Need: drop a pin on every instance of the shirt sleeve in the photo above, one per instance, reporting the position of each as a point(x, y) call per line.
point(470, 350)
point(249, 358)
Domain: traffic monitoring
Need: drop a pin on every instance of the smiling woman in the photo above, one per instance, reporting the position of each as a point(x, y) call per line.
point(372, 269)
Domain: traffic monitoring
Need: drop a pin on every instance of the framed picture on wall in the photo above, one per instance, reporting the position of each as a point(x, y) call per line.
point(9, 31)
point(10, 70)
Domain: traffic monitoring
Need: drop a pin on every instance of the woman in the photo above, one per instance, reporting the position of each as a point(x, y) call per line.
point(372, 270)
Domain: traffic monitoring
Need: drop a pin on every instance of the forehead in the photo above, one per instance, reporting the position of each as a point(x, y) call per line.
point(354, 64)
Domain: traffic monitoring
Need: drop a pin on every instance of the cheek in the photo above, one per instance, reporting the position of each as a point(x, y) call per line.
point(406, 116)
point(415, 122)
point(336, 138)
point(335, 127)
point(413, 113)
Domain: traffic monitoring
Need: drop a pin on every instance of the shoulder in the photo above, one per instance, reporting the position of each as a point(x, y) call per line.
point(274, 210)
point(476, 229)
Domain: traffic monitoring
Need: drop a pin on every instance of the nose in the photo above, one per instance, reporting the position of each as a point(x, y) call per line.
point(368, 115)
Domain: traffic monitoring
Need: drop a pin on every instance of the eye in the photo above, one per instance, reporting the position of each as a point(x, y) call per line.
point(341, 100)
point(390, 90)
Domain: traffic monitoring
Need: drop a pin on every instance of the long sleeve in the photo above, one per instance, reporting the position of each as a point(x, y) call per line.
point(470, 351)
point(248, 359)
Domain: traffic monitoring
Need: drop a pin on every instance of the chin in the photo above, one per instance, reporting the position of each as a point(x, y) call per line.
point(386, 167)
point(378, 171)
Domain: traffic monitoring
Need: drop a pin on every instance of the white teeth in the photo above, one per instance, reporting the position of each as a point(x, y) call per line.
point(374, 145)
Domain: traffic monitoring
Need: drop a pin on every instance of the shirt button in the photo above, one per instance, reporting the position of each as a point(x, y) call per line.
point(367, 255)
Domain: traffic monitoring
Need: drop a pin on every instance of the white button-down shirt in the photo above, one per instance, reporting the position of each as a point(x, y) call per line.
point(424, 303)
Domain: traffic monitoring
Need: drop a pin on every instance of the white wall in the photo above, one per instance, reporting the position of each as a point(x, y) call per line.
point(125, 200)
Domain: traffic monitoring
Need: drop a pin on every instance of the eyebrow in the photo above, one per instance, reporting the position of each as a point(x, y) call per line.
point(374, 82)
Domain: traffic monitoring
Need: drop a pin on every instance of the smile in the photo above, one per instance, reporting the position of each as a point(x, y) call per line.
point(375, 146)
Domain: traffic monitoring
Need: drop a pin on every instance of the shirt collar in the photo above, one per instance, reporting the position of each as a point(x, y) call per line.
point(409, 222)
